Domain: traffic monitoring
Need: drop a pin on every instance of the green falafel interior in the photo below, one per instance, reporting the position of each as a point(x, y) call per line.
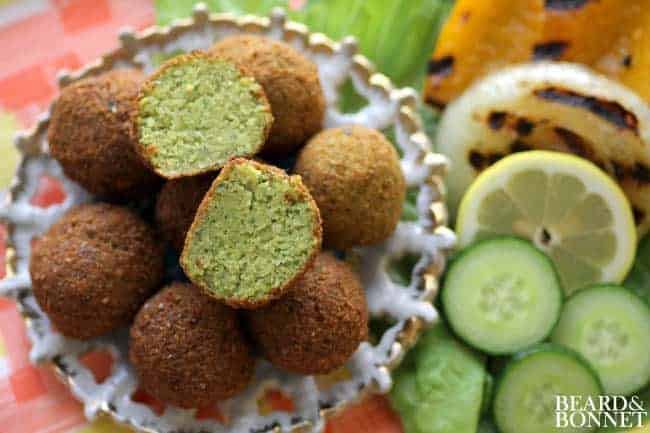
point(197, 112)
point(255, 232)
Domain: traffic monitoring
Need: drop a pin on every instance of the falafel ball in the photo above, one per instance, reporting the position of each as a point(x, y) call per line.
point(90, 134)
point(318, 325)
point(354, 175)
point(176, 207)
point(188, 349)
point(94, 268)
point(197, 112)
point(256, 231)
point(291, 83)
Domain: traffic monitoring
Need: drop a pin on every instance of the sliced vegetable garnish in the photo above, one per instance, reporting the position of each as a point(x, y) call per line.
point(567, 206)
point(610, 327)
point(502, 295)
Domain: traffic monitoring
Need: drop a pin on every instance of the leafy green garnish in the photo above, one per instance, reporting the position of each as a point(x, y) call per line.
point(638, 280)
point(377, 326)
point(397, 35)
point(400, 270)
point(487, 426)
point(430, 119)
point(350, 101)
point(488, 394)
point(439, 386)
point(410, 209)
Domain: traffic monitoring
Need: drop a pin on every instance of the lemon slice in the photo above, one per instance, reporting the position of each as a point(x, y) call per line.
point(566, 205)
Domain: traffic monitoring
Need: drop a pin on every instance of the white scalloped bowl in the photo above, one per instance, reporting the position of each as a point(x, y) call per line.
point(315, 398)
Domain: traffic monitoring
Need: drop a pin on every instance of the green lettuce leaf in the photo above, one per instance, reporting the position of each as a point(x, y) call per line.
point(487, 426)
point(638, 280)
point(439, 386)
point(169, 10)
point(397, 35)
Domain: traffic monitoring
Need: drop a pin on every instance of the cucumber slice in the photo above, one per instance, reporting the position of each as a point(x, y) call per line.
point(610, 327)
point(439, 387)
point(524, 401)
point(502, 295)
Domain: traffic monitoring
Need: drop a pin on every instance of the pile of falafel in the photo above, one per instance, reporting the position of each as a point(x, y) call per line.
point(258, 246)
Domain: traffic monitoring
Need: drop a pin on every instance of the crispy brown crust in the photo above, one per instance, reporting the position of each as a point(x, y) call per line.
point(188, 349)
point(149, 84)
point(291, 83)
point(94, 268)
point(276, 292)
point(90, 134)
point(176, 206)
point(317, 326)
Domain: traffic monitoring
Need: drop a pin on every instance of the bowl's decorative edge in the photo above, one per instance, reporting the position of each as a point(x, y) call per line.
point(433, 210)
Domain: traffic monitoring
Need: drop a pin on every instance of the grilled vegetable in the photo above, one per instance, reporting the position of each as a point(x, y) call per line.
point(611, 36)
point(481, 36)
point(552, 106)
point(586, 29)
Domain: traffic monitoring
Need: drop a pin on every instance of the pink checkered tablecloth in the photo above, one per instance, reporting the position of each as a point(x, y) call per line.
point(37, 39)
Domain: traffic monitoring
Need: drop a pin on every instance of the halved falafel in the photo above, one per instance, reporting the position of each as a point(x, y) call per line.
point(198, 111)
point(90, 134)
point(291, 83)
point(354, 174)
point(188, 349)
point(94, 268)
point(176, 206)
point(255, 232)
point(318, 325)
